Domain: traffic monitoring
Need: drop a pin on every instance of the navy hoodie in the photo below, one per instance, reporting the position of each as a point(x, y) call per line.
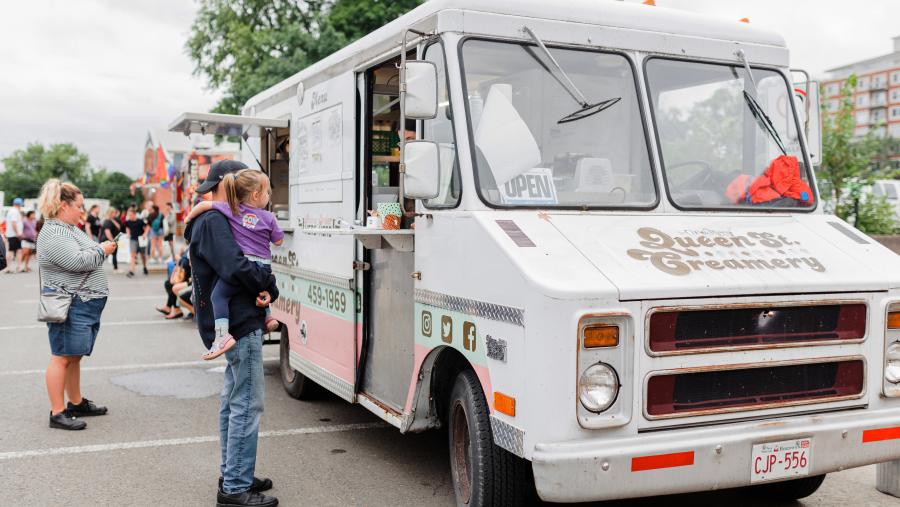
point(215, 255)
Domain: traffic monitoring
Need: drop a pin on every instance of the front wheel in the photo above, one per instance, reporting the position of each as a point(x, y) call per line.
point(483, 473)
point(296, 384)
point(794, 489)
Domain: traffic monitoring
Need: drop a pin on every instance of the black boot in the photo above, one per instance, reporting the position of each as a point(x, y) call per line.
point(66, 421)
point(245, 498)
point(86, 408)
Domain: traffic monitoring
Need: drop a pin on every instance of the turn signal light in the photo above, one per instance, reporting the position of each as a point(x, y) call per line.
point(601, 336)
point(504, 404)
point(893, 320)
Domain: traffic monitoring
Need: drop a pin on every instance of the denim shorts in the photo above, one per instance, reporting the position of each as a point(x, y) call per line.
point(76, 336)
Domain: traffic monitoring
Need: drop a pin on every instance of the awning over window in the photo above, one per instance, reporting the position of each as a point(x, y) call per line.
point(224, 124)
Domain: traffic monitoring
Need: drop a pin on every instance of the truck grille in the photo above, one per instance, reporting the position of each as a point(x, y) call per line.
point(736, 388)
point(674, 331)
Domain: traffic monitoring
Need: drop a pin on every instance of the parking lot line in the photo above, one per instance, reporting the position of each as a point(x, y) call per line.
point(146, 366)
point(102, 324)
point(111, 299)
point(144, 444)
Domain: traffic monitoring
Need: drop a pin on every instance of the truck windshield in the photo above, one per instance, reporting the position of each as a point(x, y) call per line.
point(725, 144)
point(525, 156)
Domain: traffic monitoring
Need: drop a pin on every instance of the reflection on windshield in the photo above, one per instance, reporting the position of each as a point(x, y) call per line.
point(723, 143)
point(524, 157)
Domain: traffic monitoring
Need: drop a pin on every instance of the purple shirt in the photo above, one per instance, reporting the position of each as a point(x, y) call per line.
point(253, 229)
point(28, 230)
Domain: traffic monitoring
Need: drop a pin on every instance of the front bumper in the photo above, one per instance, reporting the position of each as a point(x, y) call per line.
point(708, 458)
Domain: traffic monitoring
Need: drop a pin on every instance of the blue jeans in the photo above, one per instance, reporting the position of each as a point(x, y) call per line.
point(239, 412)
point(77, 335)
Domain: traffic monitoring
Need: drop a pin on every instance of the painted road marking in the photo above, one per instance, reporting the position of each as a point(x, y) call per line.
point(144, 444)
point(112, 299)
point(102, 324)
point(148, 366)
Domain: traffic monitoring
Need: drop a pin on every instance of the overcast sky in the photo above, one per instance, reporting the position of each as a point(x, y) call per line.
point(100, 73)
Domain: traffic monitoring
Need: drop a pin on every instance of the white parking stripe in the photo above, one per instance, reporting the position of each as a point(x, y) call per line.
point(112, 299)
point(144, 444)
point(148, 366)
point(102, 324)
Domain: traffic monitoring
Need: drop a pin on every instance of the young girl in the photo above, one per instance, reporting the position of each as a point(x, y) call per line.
point(253, 227)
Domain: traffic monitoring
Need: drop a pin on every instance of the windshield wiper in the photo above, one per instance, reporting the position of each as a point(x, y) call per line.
point(587, 109)
point(762, 119)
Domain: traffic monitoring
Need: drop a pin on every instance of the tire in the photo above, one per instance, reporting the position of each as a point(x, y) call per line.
point(296, 384)
point(794, 489)
point(483, 473)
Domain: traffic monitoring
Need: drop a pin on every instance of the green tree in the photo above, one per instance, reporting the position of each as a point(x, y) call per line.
point(113, 186)
point(850, 165)
point(245, 46)
point(27, 169)
point(356, 18)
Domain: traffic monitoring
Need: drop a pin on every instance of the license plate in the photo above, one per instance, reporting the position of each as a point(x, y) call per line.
point(779, 460)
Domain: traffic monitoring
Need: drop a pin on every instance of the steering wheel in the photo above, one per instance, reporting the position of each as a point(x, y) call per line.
point(698, 180)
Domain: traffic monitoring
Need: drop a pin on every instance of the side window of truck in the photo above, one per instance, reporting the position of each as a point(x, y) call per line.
point(440, 130)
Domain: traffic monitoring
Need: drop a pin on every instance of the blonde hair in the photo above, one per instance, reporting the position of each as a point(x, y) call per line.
point(53, 194)
point(112, 213)
point(240, 186)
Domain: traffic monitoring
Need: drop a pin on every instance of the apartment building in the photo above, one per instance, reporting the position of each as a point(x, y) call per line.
point(877, 96)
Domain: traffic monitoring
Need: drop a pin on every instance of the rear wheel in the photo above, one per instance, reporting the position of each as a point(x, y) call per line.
point(483, 473)
point(296, 384)
point(789, 490)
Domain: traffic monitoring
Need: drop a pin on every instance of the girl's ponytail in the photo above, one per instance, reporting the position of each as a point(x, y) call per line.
point(231, 193)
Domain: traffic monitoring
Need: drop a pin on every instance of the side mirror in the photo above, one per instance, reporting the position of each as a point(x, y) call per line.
point(814, 125)
point(806, 97)
point(421, 176)
point(420, 99)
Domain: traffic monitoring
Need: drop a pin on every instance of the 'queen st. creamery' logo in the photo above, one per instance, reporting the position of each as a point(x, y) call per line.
point(717, 251)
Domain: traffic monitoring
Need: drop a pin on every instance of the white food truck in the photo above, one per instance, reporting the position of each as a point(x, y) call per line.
point(613, 277)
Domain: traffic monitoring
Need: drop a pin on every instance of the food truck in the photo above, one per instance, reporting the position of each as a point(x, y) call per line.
point(585, 239)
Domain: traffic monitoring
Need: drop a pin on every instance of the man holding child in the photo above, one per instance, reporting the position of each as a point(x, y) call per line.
point(215, 255)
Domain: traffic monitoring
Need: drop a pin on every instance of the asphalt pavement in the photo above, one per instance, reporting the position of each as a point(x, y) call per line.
point(159, 446)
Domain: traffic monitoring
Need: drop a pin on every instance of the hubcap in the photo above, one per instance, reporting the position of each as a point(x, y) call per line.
point(462, 453)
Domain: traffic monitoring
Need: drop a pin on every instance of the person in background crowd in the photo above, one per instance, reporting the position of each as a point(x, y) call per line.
point(178, 281)
point(70, 263)
point(109, 230)
point(169, 225)
point(29, 239)
point(2, 256)
point(92, 226)
point(14, 234)
point(137, 229)
point(156, 234)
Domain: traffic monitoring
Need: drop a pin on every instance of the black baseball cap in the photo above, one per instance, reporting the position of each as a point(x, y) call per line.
point(217, 172)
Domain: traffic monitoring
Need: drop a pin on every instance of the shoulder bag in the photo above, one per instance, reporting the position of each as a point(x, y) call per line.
point(54, 306)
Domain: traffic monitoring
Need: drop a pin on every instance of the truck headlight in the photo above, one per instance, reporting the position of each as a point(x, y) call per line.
point(892, 369)
point(599, 386)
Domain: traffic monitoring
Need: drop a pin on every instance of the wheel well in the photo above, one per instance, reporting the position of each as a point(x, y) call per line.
point(437, 375)
point(447, 366)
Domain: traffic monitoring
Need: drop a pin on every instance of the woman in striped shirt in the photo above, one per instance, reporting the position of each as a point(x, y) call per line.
point(70, 262)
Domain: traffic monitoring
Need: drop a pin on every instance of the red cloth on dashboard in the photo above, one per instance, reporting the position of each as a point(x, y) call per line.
point(781, 179)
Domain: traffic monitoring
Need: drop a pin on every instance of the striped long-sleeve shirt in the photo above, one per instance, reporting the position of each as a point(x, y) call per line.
point(66, 255)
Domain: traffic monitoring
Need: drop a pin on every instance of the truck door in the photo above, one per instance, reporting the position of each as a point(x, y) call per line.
point(386, 357)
